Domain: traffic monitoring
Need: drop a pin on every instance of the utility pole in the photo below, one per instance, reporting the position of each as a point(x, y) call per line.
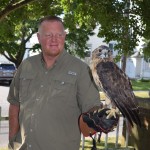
point(127, 36)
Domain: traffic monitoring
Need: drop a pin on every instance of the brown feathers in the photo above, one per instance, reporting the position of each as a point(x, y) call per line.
point(115, 84)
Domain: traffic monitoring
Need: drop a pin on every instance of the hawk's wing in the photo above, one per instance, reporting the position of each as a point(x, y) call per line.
point(117, 87)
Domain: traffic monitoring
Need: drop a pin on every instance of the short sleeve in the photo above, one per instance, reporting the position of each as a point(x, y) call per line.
point(13, 95)
point(87, 92)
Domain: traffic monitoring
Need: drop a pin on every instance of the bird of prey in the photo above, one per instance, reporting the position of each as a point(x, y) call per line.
point(115, 84)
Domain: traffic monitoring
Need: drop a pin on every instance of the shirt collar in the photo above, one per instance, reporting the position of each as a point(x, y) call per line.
point(59, 59)
point(61, 56)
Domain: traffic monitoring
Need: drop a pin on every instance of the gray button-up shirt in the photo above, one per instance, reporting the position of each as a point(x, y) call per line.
point(51, 101)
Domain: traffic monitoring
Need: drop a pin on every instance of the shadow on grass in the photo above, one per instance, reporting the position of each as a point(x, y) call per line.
point(100, 146)
point(2, 148)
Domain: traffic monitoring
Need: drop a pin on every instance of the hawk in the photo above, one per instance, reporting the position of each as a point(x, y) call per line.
point(115, 84)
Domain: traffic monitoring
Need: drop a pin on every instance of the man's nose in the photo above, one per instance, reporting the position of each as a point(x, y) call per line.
point(54, 38)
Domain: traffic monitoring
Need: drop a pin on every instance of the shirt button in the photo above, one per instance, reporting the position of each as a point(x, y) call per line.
point(62, 82)
point(32, 114)
point(46, 72)
point(31, 130)
point(41, 86)
point(30, 146)
point(37, 99)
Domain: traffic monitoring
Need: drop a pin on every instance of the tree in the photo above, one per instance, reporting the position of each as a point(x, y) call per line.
point(145, 9)
point(117, 20)
point(121, 21)
point(17, 33)
point(14, 50)
point(77, 36)
point(146, 50)
point(18, 28)
point(7, 6)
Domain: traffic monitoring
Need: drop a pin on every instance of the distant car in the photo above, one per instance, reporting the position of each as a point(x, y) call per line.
point(7, 71)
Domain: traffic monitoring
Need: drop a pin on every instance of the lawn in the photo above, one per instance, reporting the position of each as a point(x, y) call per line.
point(101, 145)
point(140, 94)
point(140, 85)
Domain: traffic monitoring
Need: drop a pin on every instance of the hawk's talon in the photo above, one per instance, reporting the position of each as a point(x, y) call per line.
point(111, 112)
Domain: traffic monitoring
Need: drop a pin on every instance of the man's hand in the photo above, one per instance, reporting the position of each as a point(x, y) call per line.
point(13, 124)
point(97, 121)
point(11, 143)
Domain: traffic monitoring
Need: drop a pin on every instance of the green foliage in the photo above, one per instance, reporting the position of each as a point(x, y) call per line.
point(122, 21)
point(145, 9)
point(76, 41)
point(17, 29)
point(20, 25)
point(146, 50)
point(78, 31)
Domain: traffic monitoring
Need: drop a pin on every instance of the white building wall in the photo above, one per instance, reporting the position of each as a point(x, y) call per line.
point(138, 67)
point(131, 67)
point(146, 69)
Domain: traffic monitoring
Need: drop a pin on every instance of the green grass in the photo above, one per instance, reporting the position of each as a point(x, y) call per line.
point(140, 88)
point(140, 94)
point(101, 145)
point(140, 85)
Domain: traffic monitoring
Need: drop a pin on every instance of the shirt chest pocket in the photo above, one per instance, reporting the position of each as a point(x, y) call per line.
point(25, 85)
point(63, 87)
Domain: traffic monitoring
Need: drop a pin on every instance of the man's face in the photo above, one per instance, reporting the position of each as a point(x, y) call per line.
point(51, 36)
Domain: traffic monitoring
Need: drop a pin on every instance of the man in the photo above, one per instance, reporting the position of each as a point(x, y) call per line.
point(48, 94)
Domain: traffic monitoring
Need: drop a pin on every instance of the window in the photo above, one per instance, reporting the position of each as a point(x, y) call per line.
point(7, 67)
point(88, 52)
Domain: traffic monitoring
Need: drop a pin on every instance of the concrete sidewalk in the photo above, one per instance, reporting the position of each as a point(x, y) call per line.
point(3, 134)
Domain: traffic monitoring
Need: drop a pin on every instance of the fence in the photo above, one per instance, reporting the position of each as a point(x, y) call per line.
point(115, 133)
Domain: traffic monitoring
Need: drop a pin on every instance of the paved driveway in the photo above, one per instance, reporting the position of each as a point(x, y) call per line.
point(4, 88)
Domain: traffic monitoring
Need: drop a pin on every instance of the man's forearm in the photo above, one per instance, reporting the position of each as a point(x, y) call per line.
point(13, 120)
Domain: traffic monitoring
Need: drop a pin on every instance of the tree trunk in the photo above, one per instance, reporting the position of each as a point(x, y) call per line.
point(123, 62)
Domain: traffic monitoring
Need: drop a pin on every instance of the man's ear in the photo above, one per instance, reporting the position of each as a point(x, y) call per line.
point(38, 36)
point(65, 33)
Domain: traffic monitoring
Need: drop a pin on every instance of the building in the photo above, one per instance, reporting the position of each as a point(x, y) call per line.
point(136, 66)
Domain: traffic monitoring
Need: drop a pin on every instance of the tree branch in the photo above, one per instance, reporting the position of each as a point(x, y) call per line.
point(11, 7)
point(10, 58)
